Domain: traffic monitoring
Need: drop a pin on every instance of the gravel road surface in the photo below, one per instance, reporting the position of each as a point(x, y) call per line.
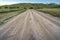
point(31, 25)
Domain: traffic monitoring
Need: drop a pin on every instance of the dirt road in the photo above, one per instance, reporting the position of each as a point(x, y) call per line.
point(31, 25)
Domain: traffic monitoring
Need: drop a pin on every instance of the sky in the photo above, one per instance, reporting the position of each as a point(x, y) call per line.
point(8, 2)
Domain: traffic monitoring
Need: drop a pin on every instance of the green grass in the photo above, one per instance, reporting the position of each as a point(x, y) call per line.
point(8, 10)
point(7, 14)
point(53, 11)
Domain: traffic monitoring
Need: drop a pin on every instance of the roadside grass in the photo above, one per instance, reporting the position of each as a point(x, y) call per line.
point(7, 14)
point(3, 10)
point(53, 11)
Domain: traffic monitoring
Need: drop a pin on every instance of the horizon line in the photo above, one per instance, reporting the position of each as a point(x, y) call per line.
point(22, 2)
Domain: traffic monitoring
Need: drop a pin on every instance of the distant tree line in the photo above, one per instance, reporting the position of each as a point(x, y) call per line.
point(30, 6)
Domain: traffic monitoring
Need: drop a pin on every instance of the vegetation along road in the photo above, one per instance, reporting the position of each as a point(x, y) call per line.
point(31, 25)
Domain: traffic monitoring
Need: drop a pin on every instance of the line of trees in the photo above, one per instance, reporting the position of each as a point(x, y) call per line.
point(31, 6)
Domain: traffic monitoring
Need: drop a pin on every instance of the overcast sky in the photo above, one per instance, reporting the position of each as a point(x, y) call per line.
point(7, 2)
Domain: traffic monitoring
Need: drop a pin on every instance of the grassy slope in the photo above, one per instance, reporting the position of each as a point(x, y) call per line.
point(6, 16)
point(52, 11)
point(7, 10)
